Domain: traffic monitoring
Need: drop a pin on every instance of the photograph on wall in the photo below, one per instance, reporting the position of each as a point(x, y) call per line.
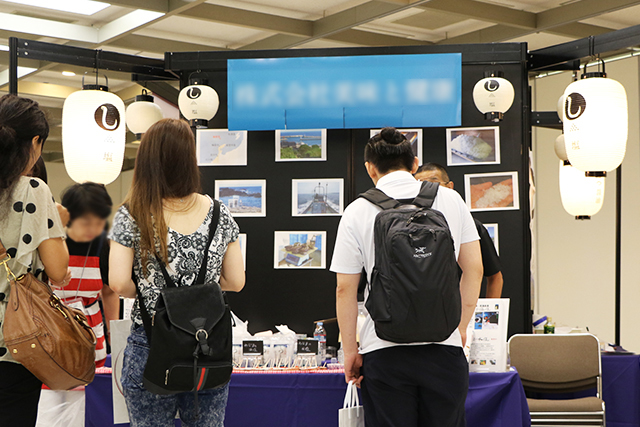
point(300, 249)
point(242, 238)
point(301, 145)
point(473, 146)
point(414, 136)
point(492, 191)
point(243, 197)
point(492, 229)
point(221, 147)
point(317, 197)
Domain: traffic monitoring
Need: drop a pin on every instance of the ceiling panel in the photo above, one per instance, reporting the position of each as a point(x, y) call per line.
point(430, 20)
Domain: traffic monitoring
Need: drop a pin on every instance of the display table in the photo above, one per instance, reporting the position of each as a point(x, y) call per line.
point(310, 400)
point(621, 390)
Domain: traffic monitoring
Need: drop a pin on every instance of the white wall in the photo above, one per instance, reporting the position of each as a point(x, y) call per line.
point(59, 180)
point(576, 259)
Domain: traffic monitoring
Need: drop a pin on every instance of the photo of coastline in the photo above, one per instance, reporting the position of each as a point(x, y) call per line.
point(301, 145)
point(317, 197)
point(243, 197)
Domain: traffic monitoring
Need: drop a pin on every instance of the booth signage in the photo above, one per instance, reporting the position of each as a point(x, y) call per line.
point(307, 347)
point(369, 91)
point(252, 348)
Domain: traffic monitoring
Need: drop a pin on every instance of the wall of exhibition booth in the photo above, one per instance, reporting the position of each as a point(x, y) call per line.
point(298, 297)
point(575, 259)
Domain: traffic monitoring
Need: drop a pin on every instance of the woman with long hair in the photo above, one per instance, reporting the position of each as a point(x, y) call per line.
point(31, 231)
point(165, 219)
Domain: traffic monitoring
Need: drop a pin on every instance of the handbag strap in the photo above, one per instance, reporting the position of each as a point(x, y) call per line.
point(144, 313)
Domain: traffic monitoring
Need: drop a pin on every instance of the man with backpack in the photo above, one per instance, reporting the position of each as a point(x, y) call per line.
point(407, 236)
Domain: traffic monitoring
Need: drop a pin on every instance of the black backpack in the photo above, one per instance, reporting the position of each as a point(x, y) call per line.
point(414, 295)
point(190, 333)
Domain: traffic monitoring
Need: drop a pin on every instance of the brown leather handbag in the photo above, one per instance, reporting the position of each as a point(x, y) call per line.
point(51, 340)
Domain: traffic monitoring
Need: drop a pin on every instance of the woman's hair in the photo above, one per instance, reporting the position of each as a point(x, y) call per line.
point(39, 170)
point(21, 120)
point(87, 198)
point(389, 150)
point(166, 168)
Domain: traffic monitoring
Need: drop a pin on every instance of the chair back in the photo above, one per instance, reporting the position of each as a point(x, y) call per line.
point(557, 363)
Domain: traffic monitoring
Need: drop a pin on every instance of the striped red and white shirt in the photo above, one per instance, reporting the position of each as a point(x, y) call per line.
point(88, 263)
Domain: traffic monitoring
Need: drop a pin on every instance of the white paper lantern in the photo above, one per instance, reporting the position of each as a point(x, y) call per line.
point(93, 136)
point(493, 96)
point(198, 103)
point(142, 114)
point(560, 107)
point(560, 148)
point(582, 196)
point(595, 124)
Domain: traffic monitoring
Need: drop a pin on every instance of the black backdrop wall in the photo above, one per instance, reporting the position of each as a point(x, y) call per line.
point(299, 297)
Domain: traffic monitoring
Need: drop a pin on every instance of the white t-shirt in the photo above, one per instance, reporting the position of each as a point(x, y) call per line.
point(355, 241)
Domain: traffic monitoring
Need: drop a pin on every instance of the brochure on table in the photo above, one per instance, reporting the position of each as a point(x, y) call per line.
point(486, 347)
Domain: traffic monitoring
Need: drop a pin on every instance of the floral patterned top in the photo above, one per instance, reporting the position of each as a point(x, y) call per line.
point(186, 252)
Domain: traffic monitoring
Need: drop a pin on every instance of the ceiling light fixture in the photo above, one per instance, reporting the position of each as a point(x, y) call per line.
point(68, 73)
point(82, 7)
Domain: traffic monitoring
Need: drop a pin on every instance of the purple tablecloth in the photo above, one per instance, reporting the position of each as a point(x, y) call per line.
point(309, 400)
point(621, 390)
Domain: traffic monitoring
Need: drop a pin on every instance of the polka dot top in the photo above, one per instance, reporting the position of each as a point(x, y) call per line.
point(27, 218)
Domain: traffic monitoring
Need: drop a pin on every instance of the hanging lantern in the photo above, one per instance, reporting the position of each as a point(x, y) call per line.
point(142, 113)
point(595, 123)
point(493, 95)
point(560, 148)
point(93, 134)
point(560, 107)
point(198, 103)
point(581, 196)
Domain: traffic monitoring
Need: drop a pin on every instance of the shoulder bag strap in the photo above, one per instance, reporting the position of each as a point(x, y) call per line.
point(380, 199)
point(427, 194)
point(3, 251)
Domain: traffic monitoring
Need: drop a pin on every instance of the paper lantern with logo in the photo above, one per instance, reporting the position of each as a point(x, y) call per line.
point(493, 96)
point(560, 107)
point(595, 123)
point(560, 148)
point(93, 135)
point(198, 103)
point(142, 113)
point(581, 196)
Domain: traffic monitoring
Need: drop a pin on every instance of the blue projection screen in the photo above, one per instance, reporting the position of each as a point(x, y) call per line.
point(345, 92)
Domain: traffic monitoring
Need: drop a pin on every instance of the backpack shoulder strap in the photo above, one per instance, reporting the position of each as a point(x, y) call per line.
point(380, 199)
point(213, 226)
point(427, 194)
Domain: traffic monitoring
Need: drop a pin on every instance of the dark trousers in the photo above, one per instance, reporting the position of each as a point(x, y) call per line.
point(411, 386)
point(19, 396)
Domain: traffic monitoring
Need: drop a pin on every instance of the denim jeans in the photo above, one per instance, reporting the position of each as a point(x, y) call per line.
point(147, 409)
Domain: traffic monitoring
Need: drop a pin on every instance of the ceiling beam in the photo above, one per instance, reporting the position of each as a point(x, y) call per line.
point(328, 26)
point(562, 20)
point(250, 19)
point(583, 9)
point(484, 12)
point(141, 43)
point(154, 5)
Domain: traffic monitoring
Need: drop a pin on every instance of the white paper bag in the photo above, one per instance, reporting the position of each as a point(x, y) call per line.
point(351, 414)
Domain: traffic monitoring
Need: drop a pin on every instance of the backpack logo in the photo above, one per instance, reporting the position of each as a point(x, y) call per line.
point(421, 252)
point(107, 117)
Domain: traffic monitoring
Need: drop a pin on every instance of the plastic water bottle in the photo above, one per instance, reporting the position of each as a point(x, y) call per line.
point(321, 336)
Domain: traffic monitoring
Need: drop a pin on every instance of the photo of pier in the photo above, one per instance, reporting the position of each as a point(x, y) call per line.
point(317, 197)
